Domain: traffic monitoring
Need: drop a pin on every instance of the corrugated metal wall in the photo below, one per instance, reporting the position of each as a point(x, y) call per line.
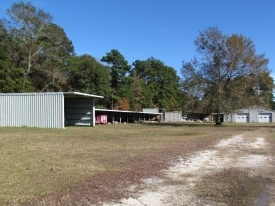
point(79, 112)
point(44, 110)
point(175, 116)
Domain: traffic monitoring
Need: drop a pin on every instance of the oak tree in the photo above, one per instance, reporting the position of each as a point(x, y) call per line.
point(224, 70)
point(26, 24)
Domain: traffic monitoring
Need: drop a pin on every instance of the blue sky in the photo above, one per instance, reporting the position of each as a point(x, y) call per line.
point(163, 29)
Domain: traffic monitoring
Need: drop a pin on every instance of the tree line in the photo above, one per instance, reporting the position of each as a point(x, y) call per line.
point(37, 56)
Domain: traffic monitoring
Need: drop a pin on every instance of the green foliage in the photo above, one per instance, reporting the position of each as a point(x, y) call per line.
point(37, 45)
point(160, 84)
point(118, 69)
point(86, 74)
point(11, 78)
point(3, 31)
point(49, 73)
point(136, 92)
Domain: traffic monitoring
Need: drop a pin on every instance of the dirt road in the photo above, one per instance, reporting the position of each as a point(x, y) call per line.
point(236, 171)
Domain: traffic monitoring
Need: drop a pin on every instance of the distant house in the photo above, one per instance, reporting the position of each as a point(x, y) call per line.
point(251, 114)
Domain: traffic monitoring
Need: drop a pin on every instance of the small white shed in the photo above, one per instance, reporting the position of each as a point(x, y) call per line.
point(47, 110)
point(251, 114)
point(174, 116)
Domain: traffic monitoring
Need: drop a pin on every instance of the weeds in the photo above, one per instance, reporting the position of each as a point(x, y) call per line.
point(231, 186)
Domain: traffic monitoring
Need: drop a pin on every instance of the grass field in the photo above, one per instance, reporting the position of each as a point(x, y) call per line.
point(74, 165)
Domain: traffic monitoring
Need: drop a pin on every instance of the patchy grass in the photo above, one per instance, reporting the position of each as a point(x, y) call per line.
point(232, 187)
point(90, 165)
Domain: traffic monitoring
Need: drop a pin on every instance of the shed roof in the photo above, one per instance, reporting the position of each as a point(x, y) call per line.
point(124, 111)
point(79, 94)
point(255, 107)
point(66, 94)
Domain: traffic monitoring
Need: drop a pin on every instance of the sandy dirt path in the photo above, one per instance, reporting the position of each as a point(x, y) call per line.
point(248, 152)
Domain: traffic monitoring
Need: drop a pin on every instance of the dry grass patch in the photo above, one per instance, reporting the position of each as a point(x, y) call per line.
point(232, 187)
point(80, 165)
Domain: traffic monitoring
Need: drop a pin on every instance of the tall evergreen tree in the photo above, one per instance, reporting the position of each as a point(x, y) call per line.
point(137, 92)
point(119, 67)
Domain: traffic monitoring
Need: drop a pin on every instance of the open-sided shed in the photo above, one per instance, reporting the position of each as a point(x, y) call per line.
point(47, 110)
point(121, 116)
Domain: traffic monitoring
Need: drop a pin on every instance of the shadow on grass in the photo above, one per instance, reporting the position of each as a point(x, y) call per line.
point(181, 124)
point(234, 187)
point(202, 124)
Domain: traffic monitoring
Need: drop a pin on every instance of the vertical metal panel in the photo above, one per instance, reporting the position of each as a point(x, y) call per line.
point(43, 110)
point(79, 112)
point(175, 116)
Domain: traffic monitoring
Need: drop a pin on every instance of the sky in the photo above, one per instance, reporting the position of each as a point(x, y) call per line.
point(163, 29)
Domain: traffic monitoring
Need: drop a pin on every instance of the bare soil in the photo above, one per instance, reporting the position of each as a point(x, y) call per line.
point(236, 171)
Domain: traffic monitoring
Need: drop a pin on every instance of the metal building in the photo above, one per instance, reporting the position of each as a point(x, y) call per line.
point(251, 114)
point(47, 110)
point(175, 116)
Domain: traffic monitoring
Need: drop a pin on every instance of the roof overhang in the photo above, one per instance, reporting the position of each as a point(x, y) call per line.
point(65, 94)
point(124, 111)
point(81, 95)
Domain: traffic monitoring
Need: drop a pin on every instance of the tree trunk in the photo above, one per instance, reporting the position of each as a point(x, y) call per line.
point(29, 61)
point(218, 118)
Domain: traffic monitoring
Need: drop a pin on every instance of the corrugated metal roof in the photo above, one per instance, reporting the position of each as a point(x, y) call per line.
point(124, 111)
point(66, 94)
point(79, 94)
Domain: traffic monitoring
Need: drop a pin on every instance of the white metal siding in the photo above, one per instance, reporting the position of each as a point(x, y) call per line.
point(79, 112)
point(228, 118)
point(43, 110)
point(173, 116)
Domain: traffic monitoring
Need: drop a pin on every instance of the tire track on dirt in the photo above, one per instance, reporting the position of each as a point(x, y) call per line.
point(247, 152)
